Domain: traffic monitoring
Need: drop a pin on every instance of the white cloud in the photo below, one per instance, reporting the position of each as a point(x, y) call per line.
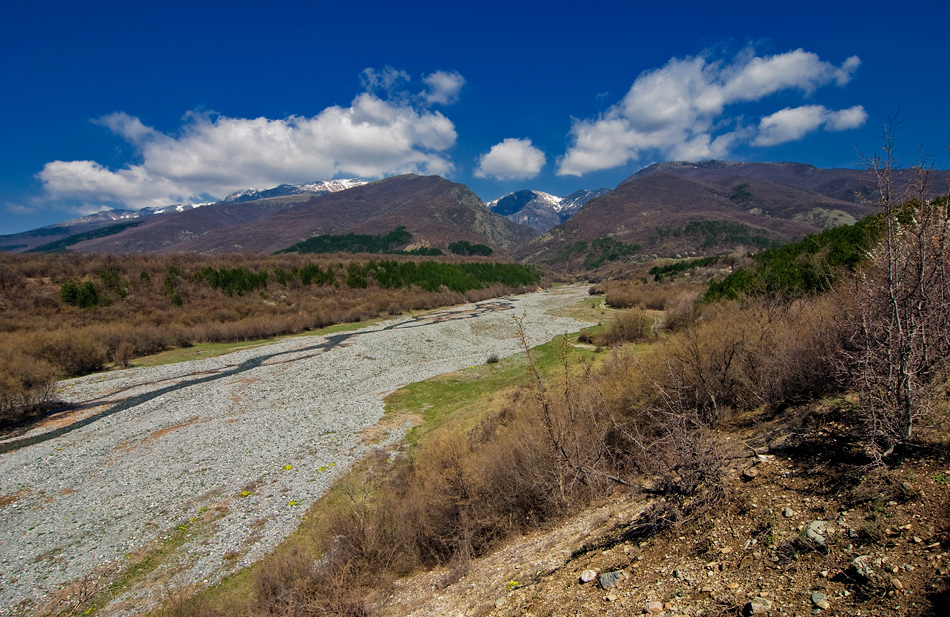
point(443, 87)
point(512, 159)
point(791, 124)
point(18, 208)
point(387, 80)
point(678, 111)
point(213, 155)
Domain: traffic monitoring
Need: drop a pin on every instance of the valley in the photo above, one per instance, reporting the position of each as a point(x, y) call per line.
point(171, 477)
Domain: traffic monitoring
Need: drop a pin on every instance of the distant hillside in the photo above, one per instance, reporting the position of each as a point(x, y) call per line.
point(434, 210)
point(68, 233)
point(684, 208)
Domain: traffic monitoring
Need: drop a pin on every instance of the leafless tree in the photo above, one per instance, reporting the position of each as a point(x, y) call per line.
point(900, 340)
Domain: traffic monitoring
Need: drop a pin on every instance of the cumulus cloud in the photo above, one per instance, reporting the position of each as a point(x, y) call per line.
point(512, 159)
point(443, 87)
point(679, 111)
point(791, 124)
point(212, 155)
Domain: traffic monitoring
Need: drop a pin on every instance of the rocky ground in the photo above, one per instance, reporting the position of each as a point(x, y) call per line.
point(159, 479)
point(802, 532)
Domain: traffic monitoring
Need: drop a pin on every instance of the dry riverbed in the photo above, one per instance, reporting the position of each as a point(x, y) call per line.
point(211, 463)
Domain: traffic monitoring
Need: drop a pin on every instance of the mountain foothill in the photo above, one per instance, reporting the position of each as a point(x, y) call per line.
point(669, 209)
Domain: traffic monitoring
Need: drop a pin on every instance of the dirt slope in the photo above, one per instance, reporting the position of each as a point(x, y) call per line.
point(884, 552)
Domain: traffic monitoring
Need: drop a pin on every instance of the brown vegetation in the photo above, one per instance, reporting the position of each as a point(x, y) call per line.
point(140, 305)
point(647, 423)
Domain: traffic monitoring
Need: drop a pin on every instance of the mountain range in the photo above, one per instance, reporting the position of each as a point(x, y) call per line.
point(667, 209)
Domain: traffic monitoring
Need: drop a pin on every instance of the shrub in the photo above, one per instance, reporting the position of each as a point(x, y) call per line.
point(83, 296)
point(628, 326)
point(74, 353)
point(26, 385)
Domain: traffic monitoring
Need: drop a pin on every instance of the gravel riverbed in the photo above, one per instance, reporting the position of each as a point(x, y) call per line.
point(214, 461)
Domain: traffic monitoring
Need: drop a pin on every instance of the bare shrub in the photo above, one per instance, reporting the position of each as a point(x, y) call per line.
point(26, 385)
point(631, 295)
point(739, 356)
point(629, 326)
point(75, 353)
point(682, 310)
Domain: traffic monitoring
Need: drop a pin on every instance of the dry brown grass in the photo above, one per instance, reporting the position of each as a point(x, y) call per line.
point(152, 303)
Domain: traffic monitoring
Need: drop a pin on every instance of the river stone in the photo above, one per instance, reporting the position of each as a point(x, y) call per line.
point(820, 600)
point(610, 579)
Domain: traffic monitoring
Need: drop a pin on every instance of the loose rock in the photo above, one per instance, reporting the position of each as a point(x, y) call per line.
point(813, 533)
point(758, 606)
point(610, 579)
point(588, 575)
point(861, 568)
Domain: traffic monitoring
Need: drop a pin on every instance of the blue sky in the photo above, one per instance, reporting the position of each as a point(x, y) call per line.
point(134, 104)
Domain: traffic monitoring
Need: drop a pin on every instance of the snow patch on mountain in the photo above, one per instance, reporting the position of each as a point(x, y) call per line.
point(318, 187)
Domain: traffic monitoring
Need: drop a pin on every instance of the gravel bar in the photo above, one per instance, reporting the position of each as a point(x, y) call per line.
point(216, 460)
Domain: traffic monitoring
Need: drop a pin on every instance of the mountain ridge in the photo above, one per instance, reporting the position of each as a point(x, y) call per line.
point(435, 210)
point(684, 208)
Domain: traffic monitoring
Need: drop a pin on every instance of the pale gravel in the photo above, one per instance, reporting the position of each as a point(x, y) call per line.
point(284, 431)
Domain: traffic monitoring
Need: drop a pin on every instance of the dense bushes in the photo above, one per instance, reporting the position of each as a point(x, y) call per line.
point(595, 253)
point(83, 296)
point(464, 247)
point(717, 233)
point(233, 280)
point(810, 266)
point(353, 243)
point(634, 325)
point(395, 242)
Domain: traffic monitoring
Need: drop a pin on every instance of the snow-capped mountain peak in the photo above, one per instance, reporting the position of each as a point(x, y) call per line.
point(541, 210)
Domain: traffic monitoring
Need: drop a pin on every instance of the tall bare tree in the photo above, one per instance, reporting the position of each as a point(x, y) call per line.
point(900, 315)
